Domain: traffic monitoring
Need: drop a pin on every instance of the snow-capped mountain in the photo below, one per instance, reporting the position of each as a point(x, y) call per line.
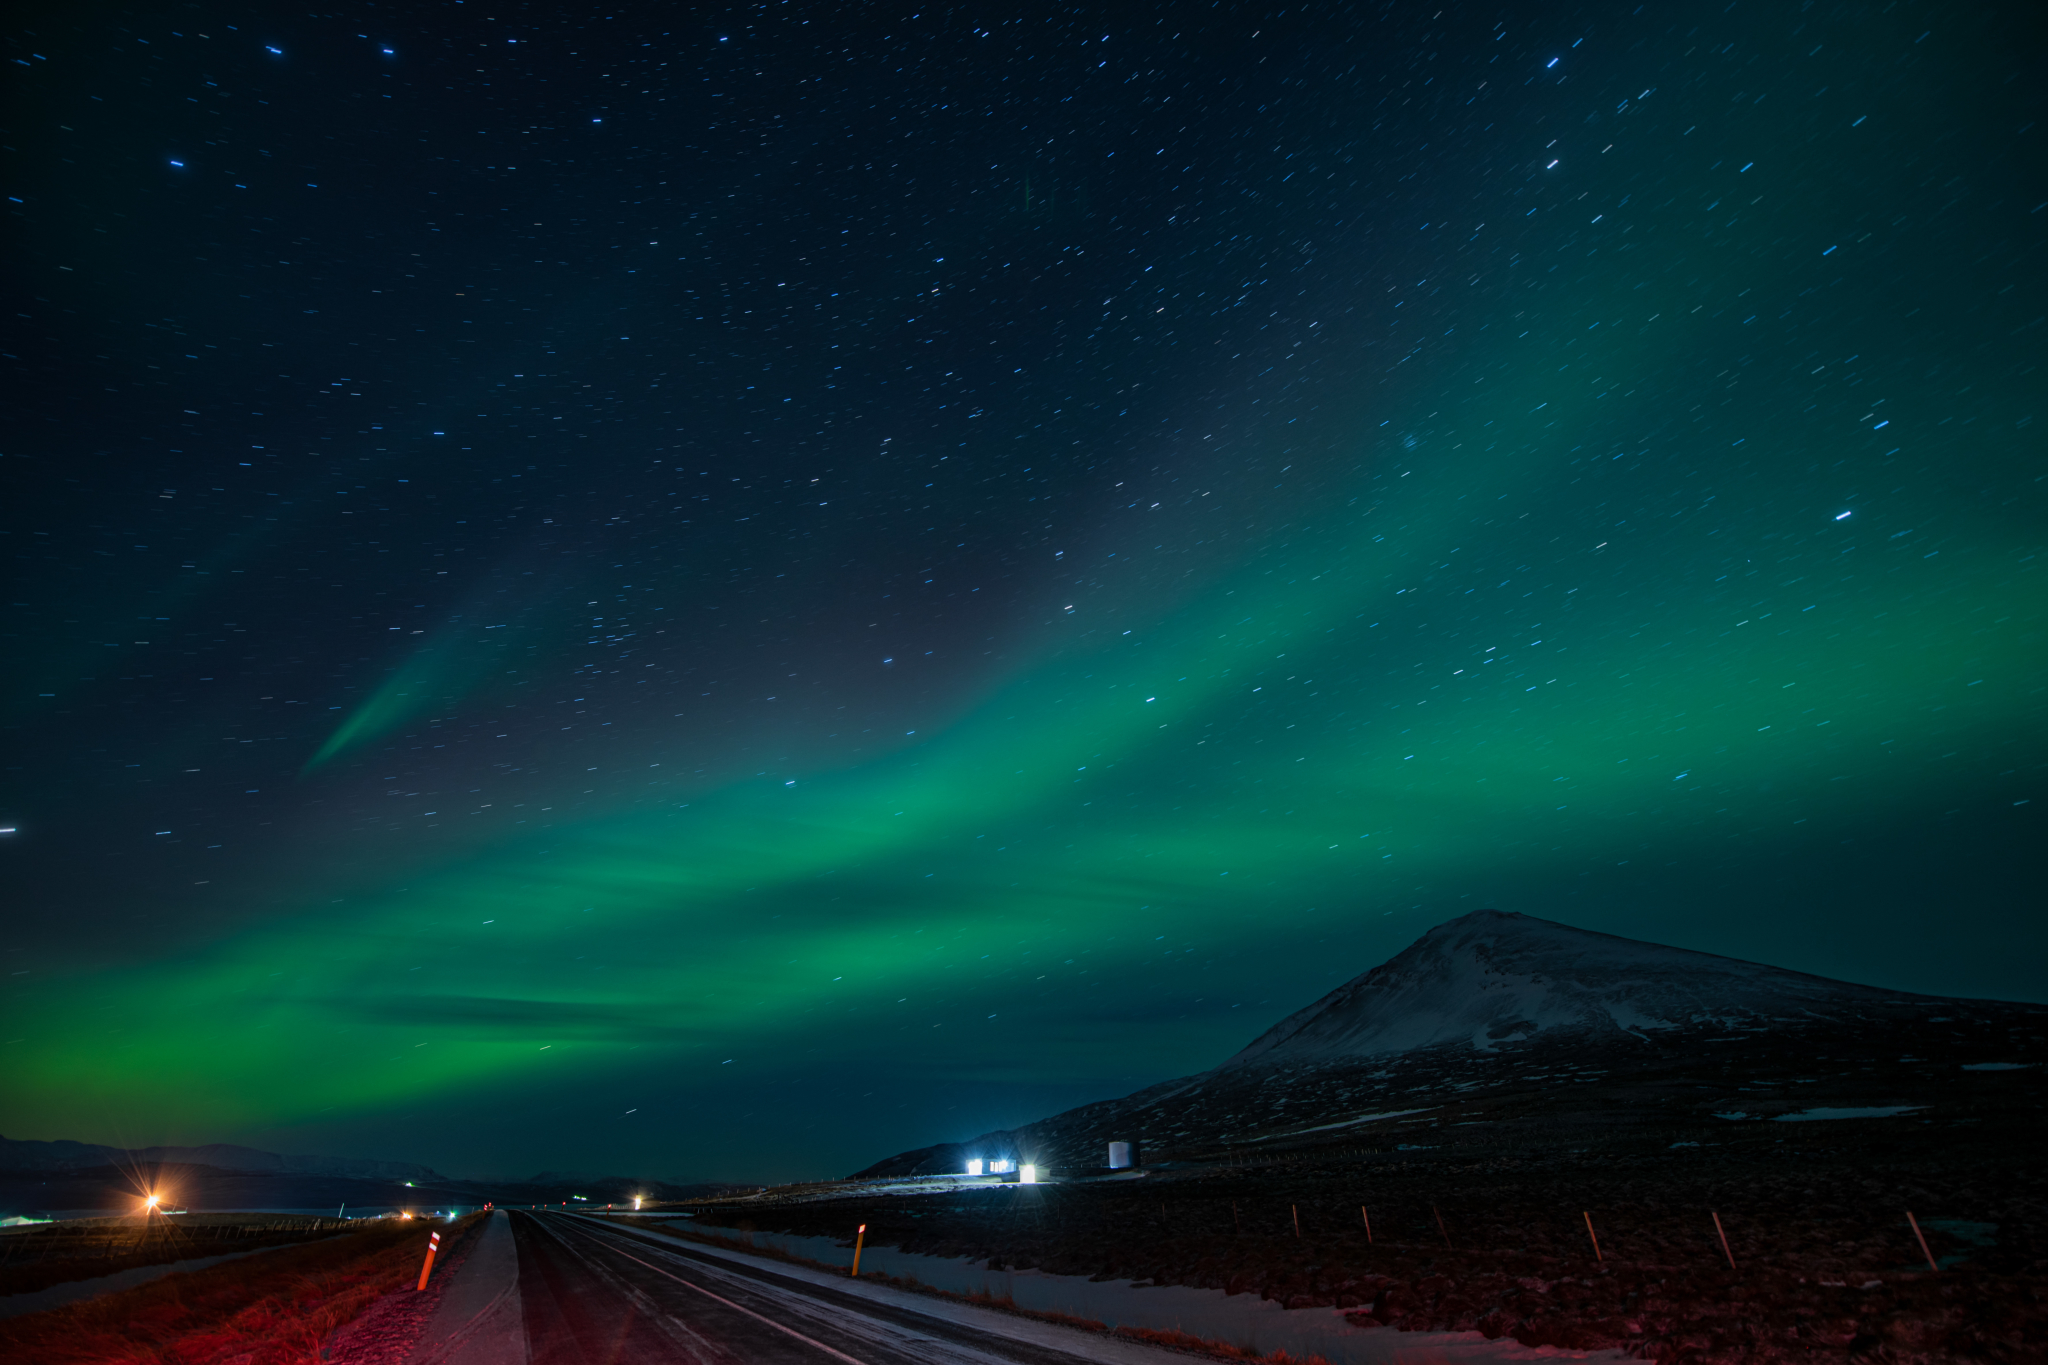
point(1489, 976)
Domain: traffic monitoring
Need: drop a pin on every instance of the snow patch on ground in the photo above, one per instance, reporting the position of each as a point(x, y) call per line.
point(1876, 1111)
point(1347, 1123)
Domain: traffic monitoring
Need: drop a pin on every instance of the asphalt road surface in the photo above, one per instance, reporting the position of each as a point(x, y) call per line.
point(594, 1294)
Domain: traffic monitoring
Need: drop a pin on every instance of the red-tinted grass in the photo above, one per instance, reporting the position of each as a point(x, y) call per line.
point(269, 1309)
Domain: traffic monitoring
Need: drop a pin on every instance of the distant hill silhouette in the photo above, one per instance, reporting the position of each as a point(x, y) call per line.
point(65, 1155)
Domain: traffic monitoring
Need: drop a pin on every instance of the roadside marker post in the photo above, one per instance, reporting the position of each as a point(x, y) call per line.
point(1932, 1264)
point(1724, 1240)
point(858, 1238)
point(1362, 1213)
point(433, 1245)
point(1594, 1235)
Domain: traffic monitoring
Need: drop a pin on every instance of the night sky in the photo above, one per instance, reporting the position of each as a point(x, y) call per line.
point(723, 593)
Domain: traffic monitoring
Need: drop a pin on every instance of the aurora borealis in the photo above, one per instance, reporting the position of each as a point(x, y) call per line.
point(721, 596)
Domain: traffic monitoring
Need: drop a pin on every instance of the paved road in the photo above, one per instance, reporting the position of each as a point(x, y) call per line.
point(598, 1295)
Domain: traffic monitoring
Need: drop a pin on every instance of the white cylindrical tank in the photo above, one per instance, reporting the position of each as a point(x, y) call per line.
point(1119, 1155)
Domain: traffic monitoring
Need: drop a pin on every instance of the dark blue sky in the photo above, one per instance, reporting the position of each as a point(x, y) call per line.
point(829, 577)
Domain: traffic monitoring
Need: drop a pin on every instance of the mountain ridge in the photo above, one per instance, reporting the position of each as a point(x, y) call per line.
point(1476, 1022)
point(64, 1154)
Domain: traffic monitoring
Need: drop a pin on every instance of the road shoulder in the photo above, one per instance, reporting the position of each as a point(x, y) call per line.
point(479, 1320)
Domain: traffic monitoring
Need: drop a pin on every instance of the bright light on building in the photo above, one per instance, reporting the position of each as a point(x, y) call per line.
point(1027, 1174)
point(974, 1165)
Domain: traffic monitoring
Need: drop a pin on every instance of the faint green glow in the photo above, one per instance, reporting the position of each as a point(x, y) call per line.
point(392, 704)
point(448, 666)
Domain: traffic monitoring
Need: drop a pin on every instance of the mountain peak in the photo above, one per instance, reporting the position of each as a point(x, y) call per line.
point(1491, 976)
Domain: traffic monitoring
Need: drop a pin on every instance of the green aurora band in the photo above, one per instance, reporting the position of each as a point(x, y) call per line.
point(1353, 720)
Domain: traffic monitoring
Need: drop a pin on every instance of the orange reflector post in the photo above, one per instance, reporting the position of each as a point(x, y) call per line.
point(433, 1245)
point(858, 1238)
